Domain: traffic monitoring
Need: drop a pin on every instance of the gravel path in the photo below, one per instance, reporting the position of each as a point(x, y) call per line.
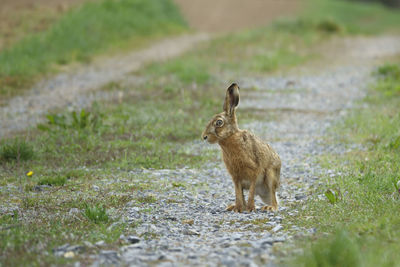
point(193, 228)
point(66, 89)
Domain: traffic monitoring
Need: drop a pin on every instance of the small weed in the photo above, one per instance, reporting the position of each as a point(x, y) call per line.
point(177, 184)
point(30, 202)
point(96, 213)
point(16, 150)
point(147, 199)
point(389, 71)
point(85, 120)
point(332, 196)
point(57, 180)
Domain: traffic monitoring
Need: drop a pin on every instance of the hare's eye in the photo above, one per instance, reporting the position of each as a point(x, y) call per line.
point(219, 123)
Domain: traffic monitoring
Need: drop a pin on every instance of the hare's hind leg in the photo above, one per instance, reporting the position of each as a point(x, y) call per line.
point(271, 182)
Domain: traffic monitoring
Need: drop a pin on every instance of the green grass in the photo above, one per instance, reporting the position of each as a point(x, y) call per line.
point(368, 208)
point(90, 29)
point(57, 180)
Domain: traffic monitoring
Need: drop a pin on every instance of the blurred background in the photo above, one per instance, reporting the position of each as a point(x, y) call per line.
point(19, 18)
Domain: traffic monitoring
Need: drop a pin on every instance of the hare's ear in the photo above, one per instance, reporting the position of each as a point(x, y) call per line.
point(231, 99)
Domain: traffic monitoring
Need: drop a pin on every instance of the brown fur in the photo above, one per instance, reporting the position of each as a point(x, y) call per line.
point(252, 164)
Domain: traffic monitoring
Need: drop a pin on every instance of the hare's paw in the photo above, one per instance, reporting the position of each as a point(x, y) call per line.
point(269, 208)
point(234, 208)
point(251, 208)
point(230, 207)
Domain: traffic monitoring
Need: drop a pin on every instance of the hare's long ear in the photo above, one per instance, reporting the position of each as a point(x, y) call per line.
point(231, 99)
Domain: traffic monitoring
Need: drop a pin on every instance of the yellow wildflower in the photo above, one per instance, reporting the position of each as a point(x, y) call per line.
point(29, 174)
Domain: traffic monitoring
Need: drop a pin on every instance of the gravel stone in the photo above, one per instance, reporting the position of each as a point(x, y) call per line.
point(100, 243)
point(277, 228)
point(74, 211)
point(68, 250)
point(133, 239)
point(108, 257)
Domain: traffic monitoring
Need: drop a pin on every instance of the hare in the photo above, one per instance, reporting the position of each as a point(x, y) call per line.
point(253, 165)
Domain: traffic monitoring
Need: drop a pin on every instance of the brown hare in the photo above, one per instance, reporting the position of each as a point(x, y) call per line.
point(252, 164)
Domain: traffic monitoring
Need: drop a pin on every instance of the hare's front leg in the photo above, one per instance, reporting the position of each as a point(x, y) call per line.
point(239, 203)
point(250, 202)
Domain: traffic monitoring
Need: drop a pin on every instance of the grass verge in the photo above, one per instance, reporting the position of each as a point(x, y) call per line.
point(363, 224)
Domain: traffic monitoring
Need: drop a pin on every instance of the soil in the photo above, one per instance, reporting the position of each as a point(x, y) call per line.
point(232, 15)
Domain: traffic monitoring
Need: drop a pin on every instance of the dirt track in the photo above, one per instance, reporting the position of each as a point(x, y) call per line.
point(232, 15)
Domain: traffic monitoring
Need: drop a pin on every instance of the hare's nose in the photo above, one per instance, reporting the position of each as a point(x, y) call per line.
point(205, 137)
